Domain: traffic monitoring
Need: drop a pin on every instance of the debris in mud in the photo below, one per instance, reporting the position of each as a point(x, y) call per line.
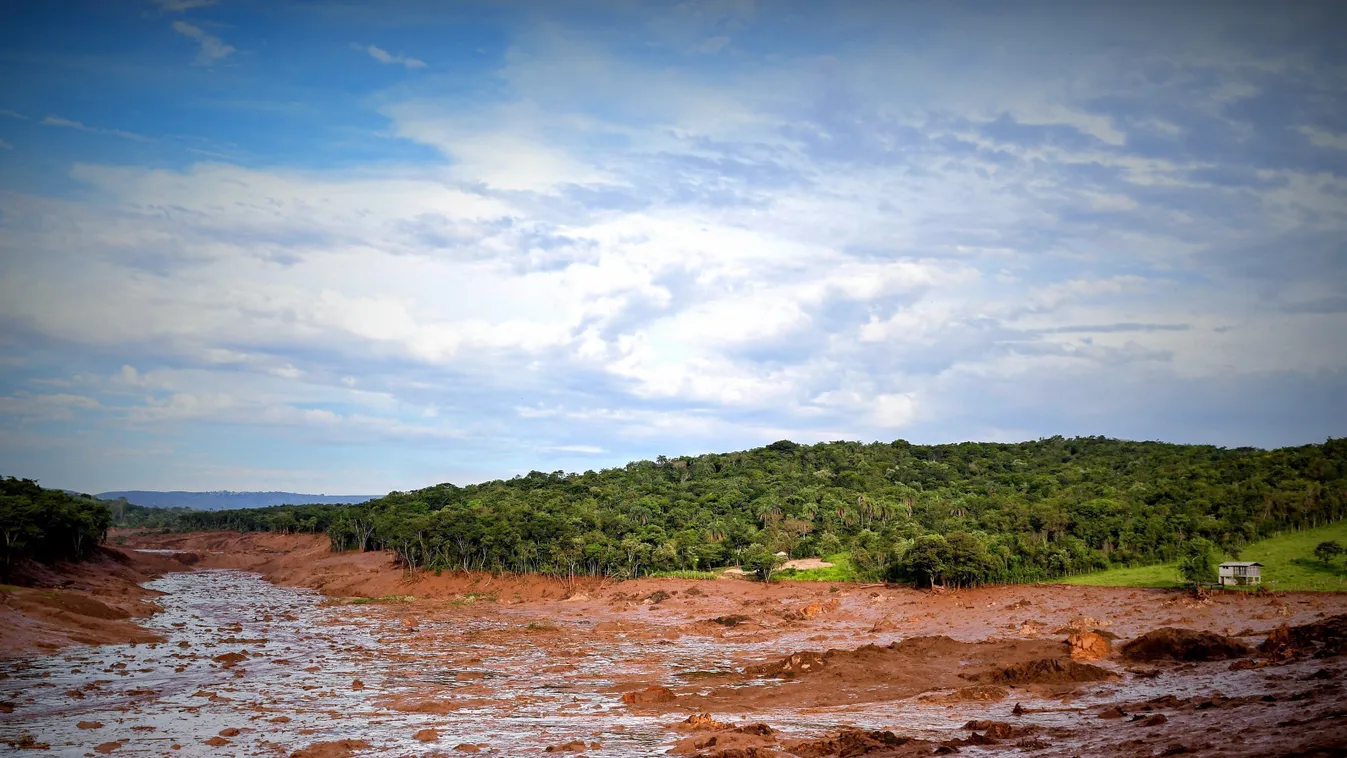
point(426, 735)
point(790, 665)
point(657, 597)
point(1045, 671)
point(1180, 644)
point(732, 620)
point(702, 722)
point(1081, 625)
point(574, 746)
point(1001, 730)
point(978, 693)
point(332, 749)
point(886, 624)
point(649, 696)
point(1320, 639)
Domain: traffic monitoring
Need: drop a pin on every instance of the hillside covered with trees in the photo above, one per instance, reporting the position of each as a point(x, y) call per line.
point(47, 525)
point(960, 514)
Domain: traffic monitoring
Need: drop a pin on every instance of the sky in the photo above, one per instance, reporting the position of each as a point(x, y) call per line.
point(353, 247)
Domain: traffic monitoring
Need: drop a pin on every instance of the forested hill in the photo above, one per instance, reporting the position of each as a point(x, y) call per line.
point(964, 513)
point(47, 525)
point(225, 500)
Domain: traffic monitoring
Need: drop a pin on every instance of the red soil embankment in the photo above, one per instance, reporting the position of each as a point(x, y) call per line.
point(93, 602)
point(305, 560)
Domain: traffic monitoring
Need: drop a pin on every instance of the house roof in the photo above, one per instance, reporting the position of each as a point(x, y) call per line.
point(1240, 563)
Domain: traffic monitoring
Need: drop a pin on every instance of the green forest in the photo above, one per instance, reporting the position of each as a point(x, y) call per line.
point(47, 525)
point(956, 514)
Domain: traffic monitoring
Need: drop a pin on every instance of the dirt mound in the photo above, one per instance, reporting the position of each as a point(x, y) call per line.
point(92, 602)
point(1089, 646)
point(1321, 639)
point(851, 742)
point(751, 741)
point(1178, 644)
point(650, 696)
point(1045, 671)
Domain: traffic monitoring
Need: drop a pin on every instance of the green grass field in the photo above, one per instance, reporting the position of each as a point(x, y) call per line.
point(1288, 564)
point(840, 571)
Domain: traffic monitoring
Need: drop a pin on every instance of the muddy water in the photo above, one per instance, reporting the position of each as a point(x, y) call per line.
point(488, 676)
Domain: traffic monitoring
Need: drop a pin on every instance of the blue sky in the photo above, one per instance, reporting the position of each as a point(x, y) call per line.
point(355, 247)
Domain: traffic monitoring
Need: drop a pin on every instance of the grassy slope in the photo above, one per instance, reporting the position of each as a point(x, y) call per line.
point(1288, 564)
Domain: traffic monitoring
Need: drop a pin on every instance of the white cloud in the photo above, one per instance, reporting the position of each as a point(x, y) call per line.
point(69, 124)
point(178, 6)
point(711, 45)
point(383, 56)
point(1324, 137)
point(212, 50)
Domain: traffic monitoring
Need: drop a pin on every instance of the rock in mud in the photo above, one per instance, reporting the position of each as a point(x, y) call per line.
point(1179, 644)
point(426, 735)
point(1088, 646)
point(650, 696)
point(107, 747)
point(574, 746)
point(230, 659)
point(89, 725)
point(1048, 671)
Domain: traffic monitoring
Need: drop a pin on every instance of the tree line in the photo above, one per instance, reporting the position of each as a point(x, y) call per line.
point(47, 525)
point(956, 514)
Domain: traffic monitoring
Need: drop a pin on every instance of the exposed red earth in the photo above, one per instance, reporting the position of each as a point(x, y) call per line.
point(458, 664)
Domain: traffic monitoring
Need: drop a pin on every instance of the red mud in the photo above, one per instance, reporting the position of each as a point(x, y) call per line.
point(713, 660)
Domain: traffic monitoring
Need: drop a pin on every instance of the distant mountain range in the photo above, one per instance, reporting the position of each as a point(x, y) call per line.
point(227, 500)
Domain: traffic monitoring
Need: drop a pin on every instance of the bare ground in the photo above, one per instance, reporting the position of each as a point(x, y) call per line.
point(812, 669)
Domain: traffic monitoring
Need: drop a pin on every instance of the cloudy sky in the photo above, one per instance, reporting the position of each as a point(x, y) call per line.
point(353, 247)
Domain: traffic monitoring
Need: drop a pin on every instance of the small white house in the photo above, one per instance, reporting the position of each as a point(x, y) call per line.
point(1241, 573)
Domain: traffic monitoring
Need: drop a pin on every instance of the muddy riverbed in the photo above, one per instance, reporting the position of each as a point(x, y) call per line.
point(247, 667)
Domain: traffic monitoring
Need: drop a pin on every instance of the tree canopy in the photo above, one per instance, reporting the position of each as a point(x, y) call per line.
point(47, 525)
point(958, 514)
